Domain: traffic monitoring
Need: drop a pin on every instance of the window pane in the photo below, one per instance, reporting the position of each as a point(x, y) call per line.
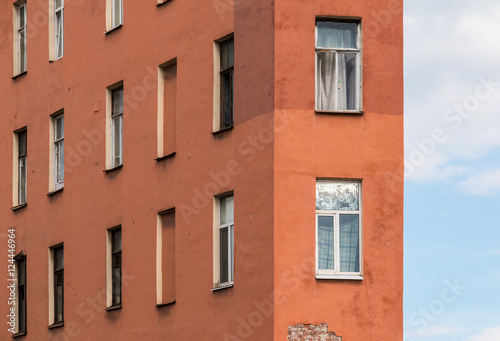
point(58, 4)
point(326, 81)
point(117, 12)
point(224, 260)
point(59, 127)
point(21, 272)
point(58, 258)
point(325, 243)
point(347, 86)
point(337, 34)
point(22, 51)
point(349, 242)
point(116, 240)
point(337, 195)
point(58, 301)
point(227, 99)
point(117, 287)
point(22, 180)
point(117, 140)
point(227, 210)
point(231, 252)
point(117, 102)
point(60, 161)
point(59, 34)
point(22, 16)
point(22, 142)
point(231, 53)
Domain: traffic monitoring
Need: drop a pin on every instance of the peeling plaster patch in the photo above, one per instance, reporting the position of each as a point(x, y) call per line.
point(311, 332)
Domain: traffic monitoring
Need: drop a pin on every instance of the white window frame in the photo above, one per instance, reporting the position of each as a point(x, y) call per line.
point(218, 227)
point(58, 146)
point(20, 30)
point(58, 22)
point(114, 153)
point(335, 214)
point(20, 197)
point(359, 68)
point(114, 9)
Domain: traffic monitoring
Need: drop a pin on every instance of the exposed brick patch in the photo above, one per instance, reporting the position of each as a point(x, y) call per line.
point(310, 332)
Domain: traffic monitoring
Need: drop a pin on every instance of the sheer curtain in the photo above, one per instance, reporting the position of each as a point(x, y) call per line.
point(326, 79)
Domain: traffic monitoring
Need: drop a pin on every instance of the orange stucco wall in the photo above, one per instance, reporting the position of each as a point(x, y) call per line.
point(270, 159)
point(93, 201)
point(367, 147)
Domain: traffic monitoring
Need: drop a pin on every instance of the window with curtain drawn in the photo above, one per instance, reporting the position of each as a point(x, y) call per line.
point(338, 66)
point(338, 227)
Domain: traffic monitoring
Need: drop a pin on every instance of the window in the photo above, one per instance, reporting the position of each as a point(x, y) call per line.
point(338, 66)
point(58, 150)
point(165, 257)
point(224, 241)
point(56, 289)
point(114, 146)
point(114, 17)
point(167, 108)
point(21, 294)
point(20, 49)
point(20, 160)
point(338, 229)
point(59, 28)
point(114, 264)
point(224, 84)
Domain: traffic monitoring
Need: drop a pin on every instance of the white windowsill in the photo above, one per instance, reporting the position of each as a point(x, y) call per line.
point(356, 112)
point(341, 277)
point(223, 286)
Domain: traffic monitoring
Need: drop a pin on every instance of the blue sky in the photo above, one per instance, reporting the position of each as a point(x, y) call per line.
point(452, 157)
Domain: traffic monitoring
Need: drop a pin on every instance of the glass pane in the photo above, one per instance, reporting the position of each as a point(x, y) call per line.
point(224, 260)
point(58, 304)
point(58, 258)
point(227, 99)
point(227, 210)
point(231, 53)
point(59, 127)
point(58, 4)
point(22, 180)
point(231, 252)
point(337, 34)
point(117, 286)
point(22, 51)
point(116, 240)
point(60, 167)
point(325, 243)
point(326, 81)
point(22, 16)
point(347, 84)
point(337, 195)
point(22, 137)
point(349, 242)
point(117, 12)
point(21, 272)
point(59, 34)
point(224, 56)
point(117, 140)
point(117, 102)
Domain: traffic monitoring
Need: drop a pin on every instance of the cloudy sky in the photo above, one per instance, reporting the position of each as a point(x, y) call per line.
point(452, 199)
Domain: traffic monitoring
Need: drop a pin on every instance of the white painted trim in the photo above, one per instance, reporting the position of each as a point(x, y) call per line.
point(161, 111)
point(51, 286)
point(109, 274)
point(159, 271)
point(341, 277)
point(216, 90)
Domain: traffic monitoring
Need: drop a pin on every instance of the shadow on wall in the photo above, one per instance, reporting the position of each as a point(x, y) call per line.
point(310, 332)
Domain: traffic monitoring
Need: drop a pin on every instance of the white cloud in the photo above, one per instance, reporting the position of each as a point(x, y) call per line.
point(445, 55)
point(490, 334)
point(439, 330)
point(486, 184)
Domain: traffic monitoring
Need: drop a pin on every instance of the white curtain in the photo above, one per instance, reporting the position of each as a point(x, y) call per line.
point(326, 81)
